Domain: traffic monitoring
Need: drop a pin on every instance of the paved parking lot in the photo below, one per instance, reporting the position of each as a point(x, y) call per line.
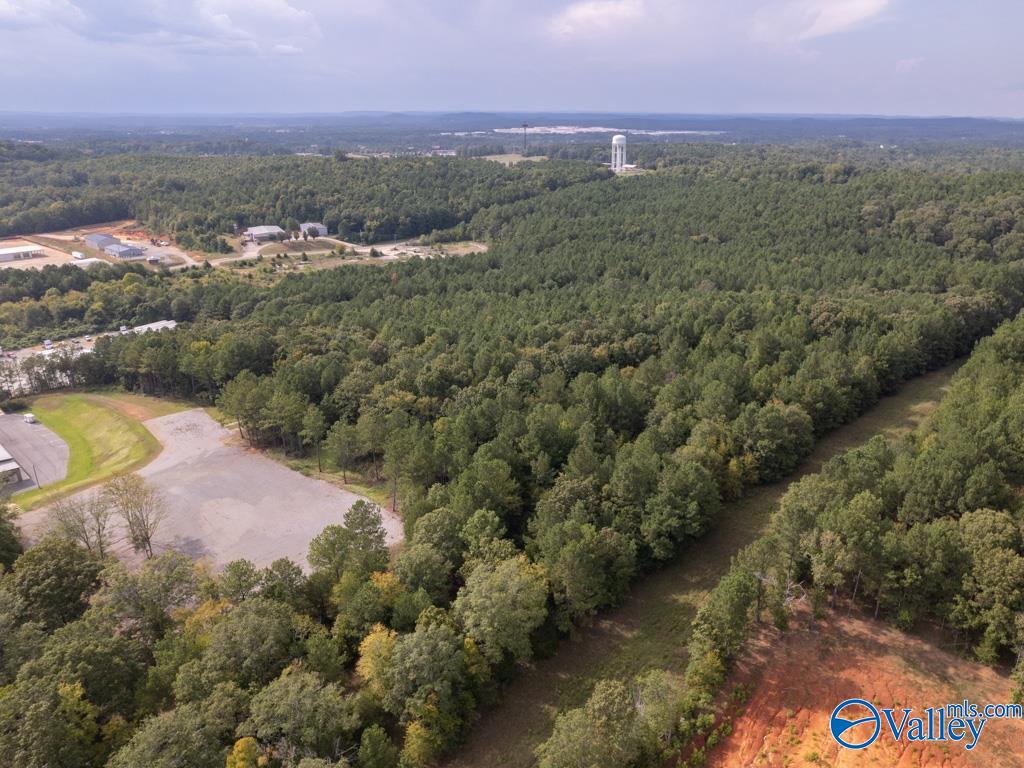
point(42, 455)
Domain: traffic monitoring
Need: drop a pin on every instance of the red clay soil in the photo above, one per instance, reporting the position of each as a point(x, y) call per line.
point(799, 677)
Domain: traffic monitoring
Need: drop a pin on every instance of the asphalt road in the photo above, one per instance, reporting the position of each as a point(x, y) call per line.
point(41, 454)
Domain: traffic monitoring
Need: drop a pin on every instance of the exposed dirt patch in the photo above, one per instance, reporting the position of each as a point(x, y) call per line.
point(799, 676)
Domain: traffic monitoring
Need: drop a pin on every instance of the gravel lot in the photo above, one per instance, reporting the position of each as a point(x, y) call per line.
point(41, 454)
point(227, 501)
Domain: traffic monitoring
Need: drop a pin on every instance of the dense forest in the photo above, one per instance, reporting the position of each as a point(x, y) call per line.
point(205, 197)
point(554, 418)
point(927, 529)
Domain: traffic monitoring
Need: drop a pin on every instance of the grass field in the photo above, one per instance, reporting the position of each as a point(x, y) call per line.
point(104, 434)
point(514, 157)
point(296, 247)
point(650, 630)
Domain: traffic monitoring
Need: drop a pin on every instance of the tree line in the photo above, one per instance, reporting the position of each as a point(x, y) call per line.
point(200, 199)
point(923, 529)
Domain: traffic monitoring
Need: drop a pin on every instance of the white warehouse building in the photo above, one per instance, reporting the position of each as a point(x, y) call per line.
point(263, 233)
point(19, 252)
point(313, 229)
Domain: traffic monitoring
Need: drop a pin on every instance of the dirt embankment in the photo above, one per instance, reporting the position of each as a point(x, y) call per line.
point(798, 677)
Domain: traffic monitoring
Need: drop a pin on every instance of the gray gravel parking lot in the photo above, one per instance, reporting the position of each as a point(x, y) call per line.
point(227, 502)
point(42, 455)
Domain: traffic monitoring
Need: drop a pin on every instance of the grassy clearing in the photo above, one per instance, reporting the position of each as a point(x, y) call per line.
point(650, 630)
point(514, 157)
point(358, 482)
point(313, 245)
point(104, 437)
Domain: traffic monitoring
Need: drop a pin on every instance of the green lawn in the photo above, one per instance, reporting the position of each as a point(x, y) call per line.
point(104, 434)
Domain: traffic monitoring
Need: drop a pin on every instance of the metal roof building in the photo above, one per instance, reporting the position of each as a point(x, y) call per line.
point(159, 325)
point(10, 470)
point(122, 251)
point(19, 252)
point(99, 240)
point(264, 232)
point(314, 228)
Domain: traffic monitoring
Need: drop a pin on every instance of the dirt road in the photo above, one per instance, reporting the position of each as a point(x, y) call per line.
point(651, 628)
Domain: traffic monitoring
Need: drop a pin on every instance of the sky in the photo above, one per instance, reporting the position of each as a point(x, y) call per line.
point(891, 57)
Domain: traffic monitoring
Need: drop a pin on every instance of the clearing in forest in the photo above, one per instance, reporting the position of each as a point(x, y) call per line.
point(650, 630)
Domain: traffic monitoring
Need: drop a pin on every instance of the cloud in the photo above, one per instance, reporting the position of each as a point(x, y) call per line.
point(195, 26)
point(910, 64)
point(23, 14)
point(797, 21)
point(594, 18)
point(834, 16)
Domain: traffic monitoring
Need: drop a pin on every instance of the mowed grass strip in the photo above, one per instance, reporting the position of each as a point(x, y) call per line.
point(103, 441)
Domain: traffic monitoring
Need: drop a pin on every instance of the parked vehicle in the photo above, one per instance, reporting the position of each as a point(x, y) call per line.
point(30, 418)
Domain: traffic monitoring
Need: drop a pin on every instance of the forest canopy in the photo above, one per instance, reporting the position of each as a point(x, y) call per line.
point(554, 418)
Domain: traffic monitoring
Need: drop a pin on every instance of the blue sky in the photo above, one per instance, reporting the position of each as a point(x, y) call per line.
point(906, 57)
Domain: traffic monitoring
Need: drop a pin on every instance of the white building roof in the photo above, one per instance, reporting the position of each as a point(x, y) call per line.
point(265, 229)
point(20, 249)
point(159, 325)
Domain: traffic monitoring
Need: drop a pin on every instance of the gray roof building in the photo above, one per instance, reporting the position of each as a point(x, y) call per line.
point(99, 240)
point(121, 251)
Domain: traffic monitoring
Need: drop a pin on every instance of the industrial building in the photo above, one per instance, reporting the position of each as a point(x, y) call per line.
point(99, 240)
point(123, 252)
point(159, 325)
point(19, 252)
point(313, 229)
point(263, 233)
point(10, 470)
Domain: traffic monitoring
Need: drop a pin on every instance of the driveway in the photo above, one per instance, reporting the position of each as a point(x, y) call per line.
point(42, 455)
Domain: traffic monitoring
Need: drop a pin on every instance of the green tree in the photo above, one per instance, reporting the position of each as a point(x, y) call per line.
point(297, 713)
point(342, 446)
point(55, 579)
point(376, 749)
point(501, 606)
point(314, 428)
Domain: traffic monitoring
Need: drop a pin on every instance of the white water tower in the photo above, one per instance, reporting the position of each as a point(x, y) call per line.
point(618, 153)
